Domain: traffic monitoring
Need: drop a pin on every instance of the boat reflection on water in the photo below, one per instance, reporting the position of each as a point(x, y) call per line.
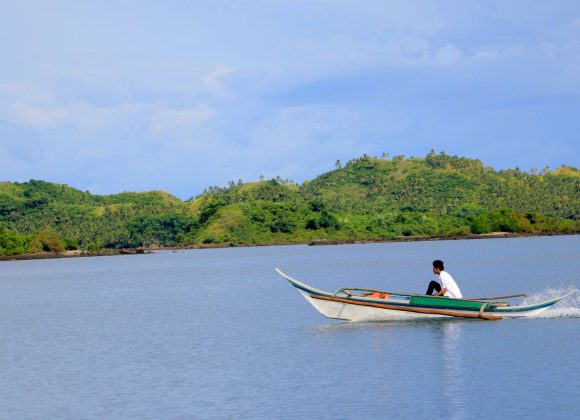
point(453, 368)
point(437, 323)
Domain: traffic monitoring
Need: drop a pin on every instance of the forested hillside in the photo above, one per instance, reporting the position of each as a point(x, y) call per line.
point(368, 198)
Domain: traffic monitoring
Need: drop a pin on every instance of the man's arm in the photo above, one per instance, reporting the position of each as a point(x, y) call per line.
point(441, 292)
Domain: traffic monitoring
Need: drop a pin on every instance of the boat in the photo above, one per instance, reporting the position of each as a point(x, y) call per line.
point(355, 304)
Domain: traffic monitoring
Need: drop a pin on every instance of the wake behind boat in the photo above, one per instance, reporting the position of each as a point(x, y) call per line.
point(353, 304)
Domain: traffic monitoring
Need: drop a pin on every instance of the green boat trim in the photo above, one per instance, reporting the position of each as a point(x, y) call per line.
point(445, 302)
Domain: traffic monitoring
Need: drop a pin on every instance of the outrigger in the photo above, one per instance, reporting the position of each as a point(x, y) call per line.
point(355, 304)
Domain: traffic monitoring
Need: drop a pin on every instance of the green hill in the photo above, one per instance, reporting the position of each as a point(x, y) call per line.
point(369, 198)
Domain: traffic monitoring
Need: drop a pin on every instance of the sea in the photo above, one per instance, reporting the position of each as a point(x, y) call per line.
point(217, 334)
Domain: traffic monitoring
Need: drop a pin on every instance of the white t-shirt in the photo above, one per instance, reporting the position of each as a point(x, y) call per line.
point(448, 283)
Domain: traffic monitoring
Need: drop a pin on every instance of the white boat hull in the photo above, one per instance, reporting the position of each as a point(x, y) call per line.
point(358, 313)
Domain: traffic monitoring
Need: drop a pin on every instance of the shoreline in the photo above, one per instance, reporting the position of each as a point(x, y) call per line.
point(316, 242)
point(491, 235)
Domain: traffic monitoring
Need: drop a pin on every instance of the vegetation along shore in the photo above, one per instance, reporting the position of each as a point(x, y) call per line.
point(368, 199)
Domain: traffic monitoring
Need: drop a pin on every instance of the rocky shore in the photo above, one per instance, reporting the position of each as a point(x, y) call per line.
point(492, 235)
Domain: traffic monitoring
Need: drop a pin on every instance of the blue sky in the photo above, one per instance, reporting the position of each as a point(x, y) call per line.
point(112, 96)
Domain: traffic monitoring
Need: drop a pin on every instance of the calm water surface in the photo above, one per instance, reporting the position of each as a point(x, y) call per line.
point(217, 334)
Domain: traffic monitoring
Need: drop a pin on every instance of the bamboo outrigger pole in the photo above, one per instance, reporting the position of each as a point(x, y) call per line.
point(497, 297)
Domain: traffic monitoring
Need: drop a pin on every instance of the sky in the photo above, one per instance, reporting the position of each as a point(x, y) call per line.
point(110, 96)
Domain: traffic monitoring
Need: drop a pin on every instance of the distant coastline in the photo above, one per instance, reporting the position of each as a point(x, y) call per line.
point(319, 242)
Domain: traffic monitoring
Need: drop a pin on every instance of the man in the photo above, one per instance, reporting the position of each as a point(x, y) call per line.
point(448, 287)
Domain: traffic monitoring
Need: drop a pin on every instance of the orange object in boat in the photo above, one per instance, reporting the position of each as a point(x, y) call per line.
point(380, 295)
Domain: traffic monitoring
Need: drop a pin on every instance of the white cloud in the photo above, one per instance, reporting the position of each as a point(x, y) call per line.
point(89, 117)
point(33, 116)
point(169, 119)
point(447, 55)
point(80, 115)
point(212, 80)
point(25, 93)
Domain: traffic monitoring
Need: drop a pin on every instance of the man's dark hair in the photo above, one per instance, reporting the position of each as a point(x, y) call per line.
point(438, 264)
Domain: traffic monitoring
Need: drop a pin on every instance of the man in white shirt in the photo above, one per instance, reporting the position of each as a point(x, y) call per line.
point(448, 287)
